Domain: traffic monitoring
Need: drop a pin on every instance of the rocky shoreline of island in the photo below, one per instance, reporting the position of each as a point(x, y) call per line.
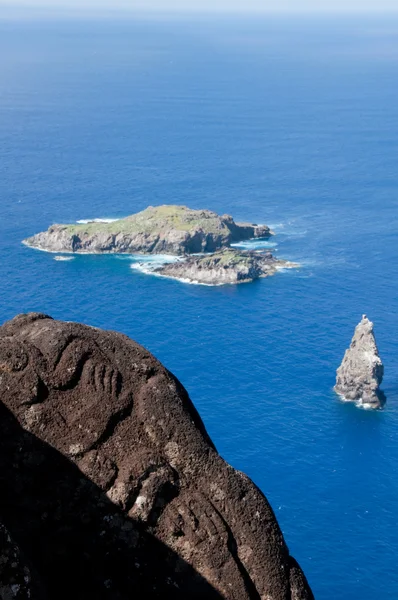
point(226, 266)
point(167, 229)
point(202, 240)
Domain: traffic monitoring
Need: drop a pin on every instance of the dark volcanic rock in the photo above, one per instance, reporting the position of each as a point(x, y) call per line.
point(361, 371)
point(110, 484)
point(15, 575)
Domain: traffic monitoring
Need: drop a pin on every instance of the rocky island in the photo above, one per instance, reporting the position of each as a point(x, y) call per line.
point(361, 371)
point(168, 229)
point(111, 487)
point(201, 238)
point(224, 266)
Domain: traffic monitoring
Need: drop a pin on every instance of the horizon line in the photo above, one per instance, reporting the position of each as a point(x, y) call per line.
point(78, 9)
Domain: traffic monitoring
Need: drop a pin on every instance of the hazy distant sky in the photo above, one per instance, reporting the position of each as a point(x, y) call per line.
point(217, 5)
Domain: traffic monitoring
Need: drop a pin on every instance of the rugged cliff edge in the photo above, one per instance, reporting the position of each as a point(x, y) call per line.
point(157, 230)
point(110, 485)
point(361, 371)
point(224, 267)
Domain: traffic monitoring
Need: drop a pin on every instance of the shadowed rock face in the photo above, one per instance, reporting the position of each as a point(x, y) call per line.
point(15, 576)
point(361, 371)
point(110, 484)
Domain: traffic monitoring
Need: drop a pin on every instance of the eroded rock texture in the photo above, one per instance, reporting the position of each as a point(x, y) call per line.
point(110, 484)
point(361, 371)
point(225, 267)
point(15, 575)
point(167, 229)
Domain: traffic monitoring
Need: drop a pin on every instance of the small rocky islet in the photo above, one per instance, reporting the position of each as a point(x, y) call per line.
point(224, 266)
point(202, 240)
point(360, 374)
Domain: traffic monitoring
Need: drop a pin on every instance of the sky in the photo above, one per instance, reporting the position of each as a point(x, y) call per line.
point(244, 6)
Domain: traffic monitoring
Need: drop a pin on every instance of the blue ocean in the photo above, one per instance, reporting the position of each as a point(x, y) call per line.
point(288, 122)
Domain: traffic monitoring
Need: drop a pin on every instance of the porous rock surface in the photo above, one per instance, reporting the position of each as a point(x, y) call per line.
point(110, 485)
point(361, 371)
point(15, 576)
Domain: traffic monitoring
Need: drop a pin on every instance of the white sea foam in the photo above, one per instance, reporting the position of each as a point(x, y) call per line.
point(366, 406)
point(64, 258)
point(290, 229)
point(255, 244)
point(288, 266)
point(86, 221)
point(148, 264)
point(194, 282)
point(190, 281)
point(358, 403)
point(153, 260)
point(274, 226)
point(43, 249)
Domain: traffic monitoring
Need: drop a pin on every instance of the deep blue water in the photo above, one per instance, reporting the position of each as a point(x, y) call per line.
point(291, 123)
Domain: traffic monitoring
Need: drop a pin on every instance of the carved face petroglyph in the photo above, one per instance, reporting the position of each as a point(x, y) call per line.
point(128, 427)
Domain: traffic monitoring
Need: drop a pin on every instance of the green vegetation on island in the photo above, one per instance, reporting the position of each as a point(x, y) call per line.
point(168, 229)
point(202, 239)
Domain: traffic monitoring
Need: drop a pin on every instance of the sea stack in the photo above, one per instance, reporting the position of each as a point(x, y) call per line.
point(361, 371)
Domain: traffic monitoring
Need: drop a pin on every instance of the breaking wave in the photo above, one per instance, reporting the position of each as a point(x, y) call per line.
point(86, 221)
point(64, 258)
point(148, 264)
point(255, 244)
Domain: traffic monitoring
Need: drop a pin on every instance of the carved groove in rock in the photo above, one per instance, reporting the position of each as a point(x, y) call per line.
point(110, 484)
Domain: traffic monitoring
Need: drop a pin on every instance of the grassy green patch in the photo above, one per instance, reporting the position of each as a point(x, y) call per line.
point(155, 219)
point(226, 257)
